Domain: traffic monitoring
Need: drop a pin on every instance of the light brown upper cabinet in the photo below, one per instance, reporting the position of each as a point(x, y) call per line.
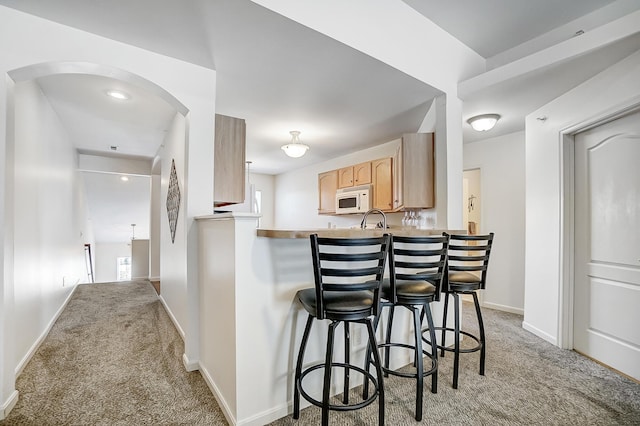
point(360, 174)
point(327, 186)
point(229, 160)
point(414, 172)
point(345, 177)
point(382, 179)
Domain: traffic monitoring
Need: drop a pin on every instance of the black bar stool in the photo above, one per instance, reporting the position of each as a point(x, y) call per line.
point(467, 264)
point(416, 268)
point(348, 274)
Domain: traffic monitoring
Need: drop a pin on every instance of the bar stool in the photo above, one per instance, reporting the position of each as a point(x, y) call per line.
point(348, 273)
point(467, 263)
point(416, 269)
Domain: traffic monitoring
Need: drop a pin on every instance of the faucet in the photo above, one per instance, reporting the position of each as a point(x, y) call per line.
point(363, 224)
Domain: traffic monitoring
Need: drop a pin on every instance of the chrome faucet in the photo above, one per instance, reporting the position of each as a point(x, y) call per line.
point(363, 224)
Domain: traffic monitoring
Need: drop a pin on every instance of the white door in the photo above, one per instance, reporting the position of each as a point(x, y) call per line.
point(606, 320)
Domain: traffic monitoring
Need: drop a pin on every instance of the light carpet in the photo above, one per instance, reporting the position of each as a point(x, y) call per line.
point(114, 358)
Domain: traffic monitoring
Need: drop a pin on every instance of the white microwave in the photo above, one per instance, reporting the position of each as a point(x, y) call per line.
point(353, 200)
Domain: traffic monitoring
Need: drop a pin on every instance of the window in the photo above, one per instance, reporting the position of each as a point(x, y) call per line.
point(124, 268)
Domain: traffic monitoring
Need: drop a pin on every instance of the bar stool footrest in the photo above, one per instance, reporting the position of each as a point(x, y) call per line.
point(345, 407)
point(452, 348)
point(434, 361)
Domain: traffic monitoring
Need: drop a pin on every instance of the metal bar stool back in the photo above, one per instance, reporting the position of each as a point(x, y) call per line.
point(348, 274)
point(467, 265)
point(416, 270)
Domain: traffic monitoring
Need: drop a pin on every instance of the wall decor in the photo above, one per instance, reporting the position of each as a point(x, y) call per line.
point(173, 201)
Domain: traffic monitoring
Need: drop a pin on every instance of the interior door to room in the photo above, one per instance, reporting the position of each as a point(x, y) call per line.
point(607, 244)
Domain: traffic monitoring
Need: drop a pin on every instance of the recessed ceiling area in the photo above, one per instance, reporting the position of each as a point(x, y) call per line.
point(490, 27)
point(96, 121)
point(115, 204)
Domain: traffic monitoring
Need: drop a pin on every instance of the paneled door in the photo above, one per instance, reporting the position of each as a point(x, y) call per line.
point(607, 244)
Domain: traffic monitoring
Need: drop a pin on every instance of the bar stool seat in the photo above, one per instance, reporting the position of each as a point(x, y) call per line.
point(467, 265)
point(347, 274)
point(416, 268)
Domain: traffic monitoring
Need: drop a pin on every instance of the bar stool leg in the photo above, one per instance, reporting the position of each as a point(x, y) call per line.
point(327, 375)
point(481, 328)
point(444, 323)
point(387, 349)
point(456, 352)
point(347, 349)
point(296, 387)
point(418, 361)
point(376, 359)
point(434, 345)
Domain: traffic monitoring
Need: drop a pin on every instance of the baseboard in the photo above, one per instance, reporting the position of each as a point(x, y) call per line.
point(218, 395)
point(32, 350)
point(7, 406)
point(541, 334)
point(503, 308)
point(172, 317)
point(190, 365)
point(268, 416)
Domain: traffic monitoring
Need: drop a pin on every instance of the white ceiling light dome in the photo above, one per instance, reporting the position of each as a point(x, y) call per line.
point(295, 148)
point(484, 122)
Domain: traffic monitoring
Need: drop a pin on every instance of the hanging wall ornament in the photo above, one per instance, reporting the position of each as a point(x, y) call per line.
point(173, 201)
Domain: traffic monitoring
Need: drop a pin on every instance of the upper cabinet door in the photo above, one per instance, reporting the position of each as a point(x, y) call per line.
point(418, 171)
point(345, 177)
point(229, 160)
point(382, 179)
point(327, 186)
point(362, 173)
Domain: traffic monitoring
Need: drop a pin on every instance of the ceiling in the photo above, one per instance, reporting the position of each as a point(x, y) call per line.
point(279, 75)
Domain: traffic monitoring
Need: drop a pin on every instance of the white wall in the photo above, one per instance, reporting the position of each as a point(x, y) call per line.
point(190, 88)
point(50, 219)
point(107, 255)
point(296, 192)
point(547, 220)
point(173, 255)
point(139, 259)
point(266, 184)
point(501, 163)
point(155, 218)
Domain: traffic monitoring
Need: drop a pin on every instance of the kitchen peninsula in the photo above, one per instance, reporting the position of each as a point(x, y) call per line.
point(249, 322)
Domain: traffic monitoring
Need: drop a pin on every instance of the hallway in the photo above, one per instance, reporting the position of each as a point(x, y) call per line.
point(113, 357)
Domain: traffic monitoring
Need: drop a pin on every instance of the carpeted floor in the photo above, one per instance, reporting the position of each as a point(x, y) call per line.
point(114, 358)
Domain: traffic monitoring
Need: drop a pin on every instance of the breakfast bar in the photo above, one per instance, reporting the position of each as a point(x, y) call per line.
point(249, 323)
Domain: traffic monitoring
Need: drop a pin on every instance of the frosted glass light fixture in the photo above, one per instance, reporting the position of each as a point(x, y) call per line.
point(295, 148)
point(118, 94)
point(484, 122)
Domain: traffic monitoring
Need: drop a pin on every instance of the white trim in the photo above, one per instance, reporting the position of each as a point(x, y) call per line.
point(172, 317)
point(259, 419)
point(503, 308)
point(541, 334)
point(190, 365)
point(218, 395)
point(11, 402)
point(32, 350)
point(567, 235)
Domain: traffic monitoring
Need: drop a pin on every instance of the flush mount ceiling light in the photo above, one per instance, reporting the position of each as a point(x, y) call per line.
point(117, 94)
point(295, 148)
point(124, 178)
point(484, 122)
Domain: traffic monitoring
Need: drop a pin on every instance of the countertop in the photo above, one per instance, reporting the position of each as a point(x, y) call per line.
point(352, 233)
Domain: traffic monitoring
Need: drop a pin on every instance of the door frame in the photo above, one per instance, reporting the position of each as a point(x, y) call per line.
point(567, 213)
